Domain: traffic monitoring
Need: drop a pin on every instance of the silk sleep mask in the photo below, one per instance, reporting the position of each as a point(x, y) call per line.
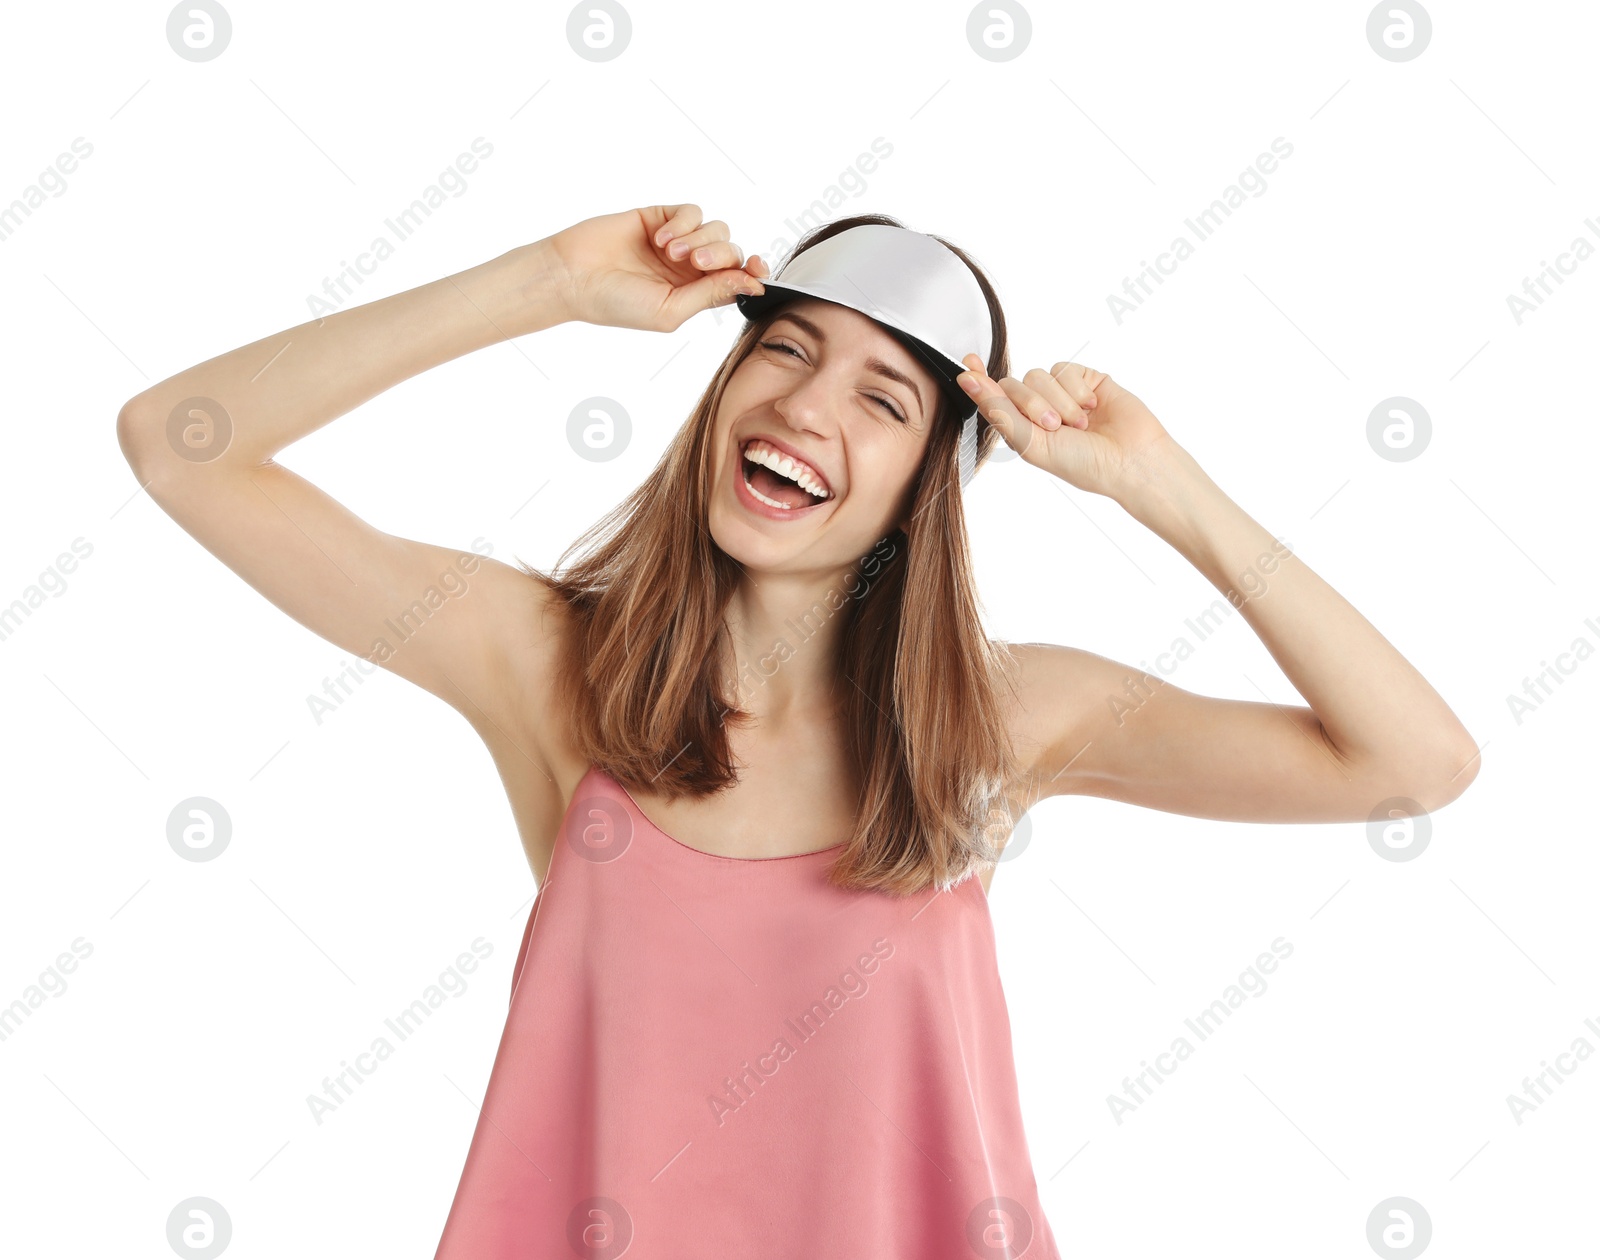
point(914, 288)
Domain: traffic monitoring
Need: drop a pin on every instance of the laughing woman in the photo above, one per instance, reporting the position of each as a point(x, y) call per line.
point(755, 740)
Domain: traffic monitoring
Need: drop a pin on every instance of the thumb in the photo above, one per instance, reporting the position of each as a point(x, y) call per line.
point(715, 288)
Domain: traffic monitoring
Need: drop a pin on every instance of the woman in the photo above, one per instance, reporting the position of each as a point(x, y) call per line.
point(756, 742)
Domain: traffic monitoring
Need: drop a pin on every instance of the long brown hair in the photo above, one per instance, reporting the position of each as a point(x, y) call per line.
point(639, 671)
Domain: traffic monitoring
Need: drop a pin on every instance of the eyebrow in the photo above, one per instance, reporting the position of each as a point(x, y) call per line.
point(873, 364)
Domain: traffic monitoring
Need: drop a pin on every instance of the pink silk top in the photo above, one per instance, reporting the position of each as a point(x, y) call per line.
point(729, 1057)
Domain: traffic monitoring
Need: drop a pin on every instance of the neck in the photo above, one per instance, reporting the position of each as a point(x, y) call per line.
point(785, 635)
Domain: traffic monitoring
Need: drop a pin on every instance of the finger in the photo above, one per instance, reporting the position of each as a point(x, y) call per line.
point(1042, 411)
point(1040, 400)
point(680, 219)
point(697, 236)
point(709, 234)
point(1079, 381)
point(711, 256)
point(756, 268)
point(1062, 401)
point(716, 289)
point(996, 407)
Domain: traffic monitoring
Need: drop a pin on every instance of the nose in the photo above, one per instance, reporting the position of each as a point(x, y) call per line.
point(808, 406)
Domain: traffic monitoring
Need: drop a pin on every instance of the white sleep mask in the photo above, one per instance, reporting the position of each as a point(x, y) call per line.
point(914, 287)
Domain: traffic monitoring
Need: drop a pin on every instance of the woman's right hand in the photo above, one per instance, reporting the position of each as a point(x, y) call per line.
point(650, 268)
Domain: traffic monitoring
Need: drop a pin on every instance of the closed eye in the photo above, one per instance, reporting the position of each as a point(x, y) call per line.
point(888, 404)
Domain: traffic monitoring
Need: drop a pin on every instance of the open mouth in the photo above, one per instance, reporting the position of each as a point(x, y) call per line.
point(776, 480)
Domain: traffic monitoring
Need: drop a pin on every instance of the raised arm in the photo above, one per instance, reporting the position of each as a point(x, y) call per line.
point(202, 443)
point(476, 632)
point(1375, 729)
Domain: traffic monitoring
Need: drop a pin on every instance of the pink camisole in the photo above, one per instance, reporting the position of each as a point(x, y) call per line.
point(729, 1057)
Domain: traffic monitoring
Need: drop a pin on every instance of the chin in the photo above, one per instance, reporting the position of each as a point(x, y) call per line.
point(759, 551)
point(743, 542)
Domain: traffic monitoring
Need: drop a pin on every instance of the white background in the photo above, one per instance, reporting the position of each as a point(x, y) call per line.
point(369, 850)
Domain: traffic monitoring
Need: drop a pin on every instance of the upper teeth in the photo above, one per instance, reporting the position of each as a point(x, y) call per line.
point(758, 452)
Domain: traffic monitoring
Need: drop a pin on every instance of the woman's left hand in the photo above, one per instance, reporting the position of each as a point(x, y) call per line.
point(1102, 434)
